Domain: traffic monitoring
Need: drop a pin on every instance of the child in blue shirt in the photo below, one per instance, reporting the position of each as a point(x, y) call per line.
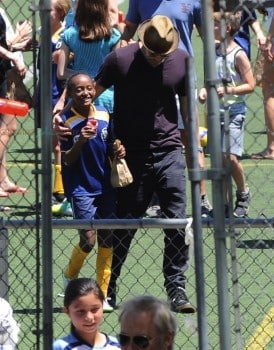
point(86, 175)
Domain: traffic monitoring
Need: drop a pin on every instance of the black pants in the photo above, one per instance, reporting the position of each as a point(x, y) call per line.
point(163, 173)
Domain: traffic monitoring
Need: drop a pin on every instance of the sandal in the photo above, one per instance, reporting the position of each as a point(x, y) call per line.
point(16, 189)
point(262, 155)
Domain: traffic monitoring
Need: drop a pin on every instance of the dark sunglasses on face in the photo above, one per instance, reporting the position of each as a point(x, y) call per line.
point(153, 54)
point(141, 341)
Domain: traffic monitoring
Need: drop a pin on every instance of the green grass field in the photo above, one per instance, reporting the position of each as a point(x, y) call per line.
point(142, 270)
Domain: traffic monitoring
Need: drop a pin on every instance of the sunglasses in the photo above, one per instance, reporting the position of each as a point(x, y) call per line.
point(141, 341)
point(153, 54)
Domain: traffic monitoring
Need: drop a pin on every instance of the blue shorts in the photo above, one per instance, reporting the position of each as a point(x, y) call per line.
point(97, 207)
point(235, 142)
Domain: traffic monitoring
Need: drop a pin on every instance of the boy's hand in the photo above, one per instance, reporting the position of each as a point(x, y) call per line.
point(89, 131)
point(221, 91)
point(202, 95)
point(60, 130)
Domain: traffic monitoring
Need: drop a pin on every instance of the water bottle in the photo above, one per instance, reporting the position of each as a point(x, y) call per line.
point(20, 109)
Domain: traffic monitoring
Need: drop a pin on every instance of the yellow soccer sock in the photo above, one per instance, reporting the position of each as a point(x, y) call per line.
point(76, 261)
point(58, 182)
point(103, 268)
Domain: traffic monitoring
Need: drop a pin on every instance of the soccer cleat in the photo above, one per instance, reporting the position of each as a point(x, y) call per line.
point(179, 301)
point(153, 212)
point(58, 197)
point(106, 306)
point(206, 208)
point(242, 204)
point(62, 209)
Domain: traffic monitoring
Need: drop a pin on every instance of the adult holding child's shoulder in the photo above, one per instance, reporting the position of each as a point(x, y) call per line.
point(146, 77)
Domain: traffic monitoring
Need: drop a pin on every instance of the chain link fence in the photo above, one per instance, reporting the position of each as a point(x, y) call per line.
point(248, 243)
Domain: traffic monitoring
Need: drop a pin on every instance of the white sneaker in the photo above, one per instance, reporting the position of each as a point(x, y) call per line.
point(153, 212)
point(106, 306)
point(66, 280)
point(65, 283)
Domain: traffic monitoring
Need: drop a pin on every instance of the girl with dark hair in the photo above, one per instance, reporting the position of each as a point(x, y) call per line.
point(89, 40)
point(83, 303)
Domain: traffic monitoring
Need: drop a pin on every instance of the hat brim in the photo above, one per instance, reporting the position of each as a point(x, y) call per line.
point(141, 33)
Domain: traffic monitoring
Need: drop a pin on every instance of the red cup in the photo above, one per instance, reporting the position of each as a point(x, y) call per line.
point(94, 124)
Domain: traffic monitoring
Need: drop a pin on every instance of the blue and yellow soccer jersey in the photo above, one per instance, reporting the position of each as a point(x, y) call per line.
point(90, 174)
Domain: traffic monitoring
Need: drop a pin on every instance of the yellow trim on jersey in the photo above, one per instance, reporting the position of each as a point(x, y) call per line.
point(77, 118)
point(56, 36)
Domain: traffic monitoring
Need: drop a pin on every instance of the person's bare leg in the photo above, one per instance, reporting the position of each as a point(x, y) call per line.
point(268, 94)
point(238, 174)
point(8, 126)
point(269, 123)
point(5, 133)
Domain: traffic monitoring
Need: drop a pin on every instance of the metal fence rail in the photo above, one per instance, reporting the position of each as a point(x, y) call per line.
point(249, 274)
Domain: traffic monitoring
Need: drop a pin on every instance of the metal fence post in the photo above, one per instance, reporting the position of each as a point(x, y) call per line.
point(4, 241)
point(217, 181)
point(47, 134)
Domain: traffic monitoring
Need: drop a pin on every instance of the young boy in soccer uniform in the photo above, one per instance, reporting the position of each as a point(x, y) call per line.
point(235, 68)
point(86, 175)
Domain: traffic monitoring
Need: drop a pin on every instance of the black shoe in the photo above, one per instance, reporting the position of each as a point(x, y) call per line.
point(179, 301)
point(242, 204)
point(58, 197)
point(206, 208)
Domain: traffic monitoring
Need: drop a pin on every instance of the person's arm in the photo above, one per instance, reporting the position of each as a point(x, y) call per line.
point(63, 72)
point(60, 130)
point(73, 154)
point(19, 65)
point(243, 66)
point(22, 38)
point(184, 109)
point(19, 39)
point(184, 112)
point(99, 90)
point(200, 32)
point(256, 27)
point(269, 46)
point(202, 95)
point(104, 78)
point(60, 103)
point(128, 33)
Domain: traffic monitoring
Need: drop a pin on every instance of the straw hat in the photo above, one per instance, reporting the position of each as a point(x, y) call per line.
point(159, 35)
